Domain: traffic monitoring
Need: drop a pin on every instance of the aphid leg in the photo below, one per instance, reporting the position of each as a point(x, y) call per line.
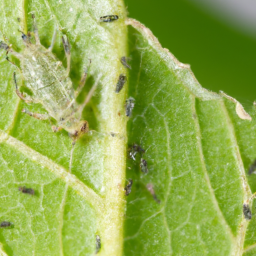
point(53, 39)
point(35, 29)
point(36, 115)
point(89, 95)
point(71, 155)
point(82, 82)
point(56, 128)
point(19, 93)
point(67, 52)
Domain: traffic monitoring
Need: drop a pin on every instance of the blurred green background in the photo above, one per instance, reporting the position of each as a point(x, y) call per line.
point(221, 56)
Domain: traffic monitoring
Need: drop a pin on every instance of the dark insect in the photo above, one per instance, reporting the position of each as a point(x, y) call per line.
point(128, 187)
point(98, 244)
point(143, 165)
point(135, 148)
point(27, 190)
point(124, 62)
point(130, 103)
point(252, 167)
point(5, 224)
point(4, 46)
point(120, 84)
point(150, 188)
point(109, 18)
point(247, 212)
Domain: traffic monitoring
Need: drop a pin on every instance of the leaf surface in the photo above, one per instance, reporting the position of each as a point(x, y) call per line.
point(198, 150)
point(68, 209)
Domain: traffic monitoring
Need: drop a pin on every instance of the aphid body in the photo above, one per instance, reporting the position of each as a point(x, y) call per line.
point(247, 212)
point(143, 165)
point(5, 224)
point(128, 187)
point(98, 244)
point(252, 167)
point(130, 103)
point(150, 188)
point(109, 18)
point(135, 148)
point(120, 84)
point(26, 190)
point(50, 84)
point(124, 62)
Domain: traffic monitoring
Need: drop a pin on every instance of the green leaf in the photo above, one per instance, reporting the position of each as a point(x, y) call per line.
point(68, 210)
point(198, 151)
point(197, 148)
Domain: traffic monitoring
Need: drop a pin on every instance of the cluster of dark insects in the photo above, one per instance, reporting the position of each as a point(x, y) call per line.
point(55, 93)
point(135, 150)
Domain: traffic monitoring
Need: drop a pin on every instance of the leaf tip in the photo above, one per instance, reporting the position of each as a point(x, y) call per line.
point(239, 108)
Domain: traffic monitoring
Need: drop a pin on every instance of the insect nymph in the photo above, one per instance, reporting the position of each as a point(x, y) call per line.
point(50, 84)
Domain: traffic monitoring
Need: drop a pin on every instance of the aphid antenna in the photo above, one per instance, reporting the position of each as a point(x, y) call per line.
point(53, 38)
point(7, 58)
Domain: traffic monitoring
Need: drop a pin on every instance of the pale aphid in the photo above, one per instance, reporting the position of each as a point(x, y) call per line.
point(50, 84)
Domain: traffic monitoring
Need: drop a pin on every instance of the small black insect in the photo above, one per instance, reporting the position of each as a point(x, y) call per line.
point(27, 190)
point(130, 103)
point(98, 244)
point(252, 167)
point(109, 18)
point(120, 84)
point(247, 211)
point(143, 165)
point(150, 188)
point(135, 148)
point(124, 62)
point(5, 224)
point(128, 187)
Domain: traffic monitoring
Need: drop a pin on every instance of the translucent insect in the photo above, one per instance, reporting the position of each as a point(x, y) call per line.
point(50, 84)
point(27, 190)
point(150, 188)
point(247, 211)
point(134, 149)
point(109, 18)
point(98, 244)
point(128, 187)
point(129, 105)
point(143, 165)
point(120, 84)
point(5, 224)
point(124, 62)
point(252, 167)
